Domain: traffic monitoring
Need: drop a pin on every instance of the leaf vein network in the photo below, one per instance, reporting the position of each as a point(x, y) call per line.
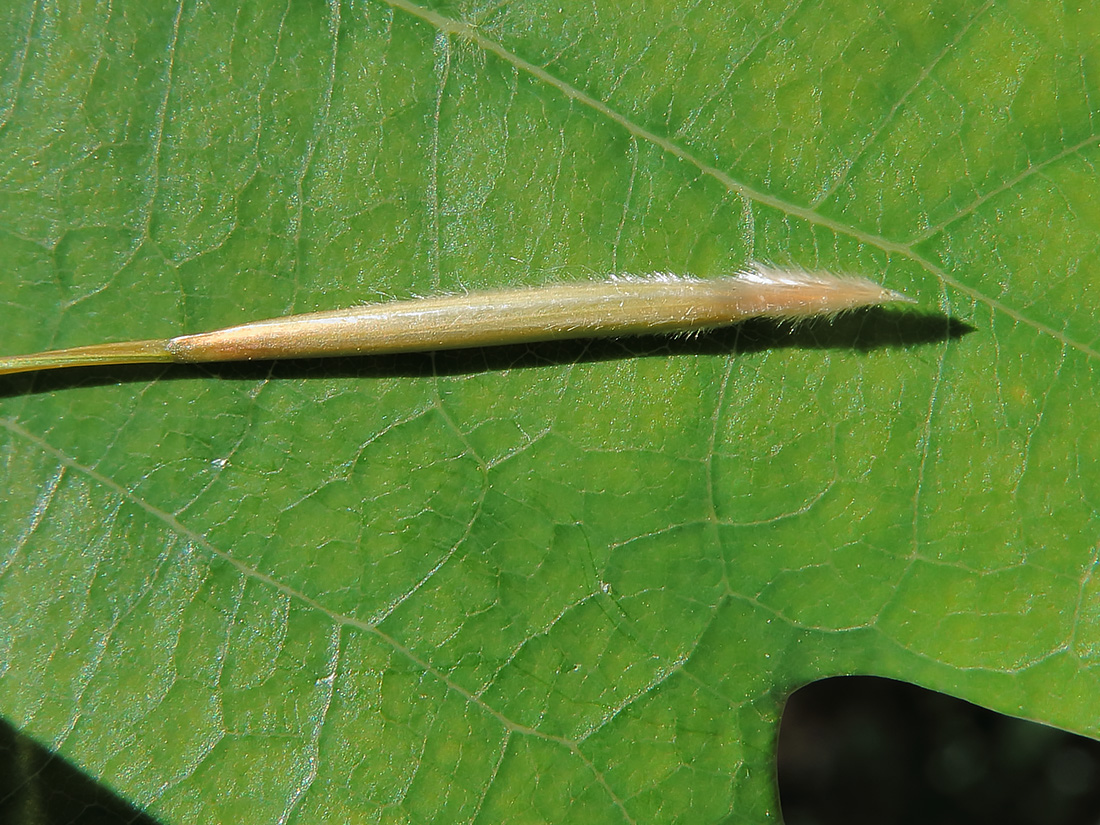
point(448, 26)
point(339, 619)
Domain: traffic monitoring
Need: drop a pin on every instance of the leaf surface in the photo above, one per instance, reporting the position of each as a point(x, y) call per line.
point(570, 583)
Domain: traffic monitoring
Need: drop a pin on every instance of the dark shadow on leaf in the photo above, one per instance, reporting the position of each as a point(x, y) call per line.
point(38, 787)
point(860, 330)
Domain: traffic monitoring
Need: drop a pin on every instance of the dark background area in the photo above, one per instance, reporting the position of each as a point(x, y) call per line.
point(860, 750)
point(39, 788)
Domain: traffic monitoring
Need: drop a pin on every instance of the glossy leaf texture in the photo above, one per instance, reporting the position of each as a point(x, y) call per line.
point(555, 584)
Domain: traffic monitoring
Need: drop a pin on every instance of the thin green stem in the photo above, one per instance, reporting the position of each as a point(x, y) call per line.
point(126, 352)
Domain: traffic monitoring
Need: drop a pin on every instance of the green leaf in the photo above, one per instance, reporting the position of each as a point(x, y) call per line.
point(559, 584)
